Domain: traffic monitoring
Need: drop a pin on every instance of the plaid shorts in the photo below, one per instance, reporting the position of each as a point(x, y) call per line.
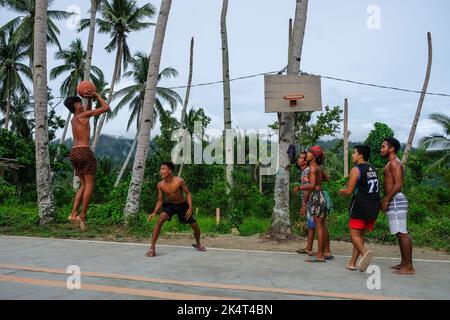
point(83, 161)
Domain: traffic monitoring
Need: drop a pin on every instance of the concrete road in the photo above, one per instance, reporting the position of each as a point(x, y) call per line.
point(37, 268)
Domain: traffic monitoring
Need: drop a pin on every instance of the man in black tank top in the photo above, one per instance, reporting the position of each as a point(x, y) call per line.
point(363, 184)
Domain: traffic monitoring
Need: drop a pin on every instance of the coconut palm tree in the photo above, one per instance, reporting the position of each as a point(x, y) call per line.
point(43, 170)
point(73, 63)
point(438, 143)
point(24, 24)
point(133, 96)
point(412, 131)
point(119, 18)
point(134, 191)
point(12, 70)
point(280, 216)
point(226, 87)
point(21, 117)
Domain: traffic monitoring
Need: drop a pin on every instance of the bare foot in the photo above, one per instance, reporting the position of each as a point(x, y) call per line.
point(151, 253)
point(405, 271)
point(304, 251)
point(72, 219)
point(199, 247)
point(82, 223)
point(351, 267)
point(399, 266)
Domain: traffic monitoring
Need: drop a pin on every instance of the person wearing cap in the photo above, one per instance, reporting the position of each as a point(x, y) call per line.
point(317, 205)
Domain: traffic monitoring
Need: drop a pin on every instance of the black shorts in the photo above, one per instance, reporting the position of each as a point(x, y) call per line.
point(178, 209)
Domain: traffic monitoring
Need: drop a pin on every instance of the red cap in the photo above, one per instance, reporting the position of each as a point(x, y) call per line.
point(317, 151)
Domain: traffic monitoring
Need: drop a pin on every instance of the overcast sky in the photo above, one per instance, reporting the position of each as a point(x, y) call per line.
point(338, 43)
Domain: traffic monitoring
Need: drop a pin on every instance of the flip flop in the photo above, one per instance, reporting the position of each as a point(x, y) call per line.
point(351, 268)
point(303, 251)
point(315, 260)
point(365, 261)
point(199, 248)
point(330, 257)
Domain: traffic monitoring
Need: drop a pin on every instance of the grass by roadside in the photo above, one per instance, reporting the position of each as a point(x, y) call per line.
point(106, 223)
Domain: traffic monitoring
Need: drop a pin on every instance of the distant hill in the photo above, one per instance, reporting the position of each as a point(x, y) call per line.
point(114, 148)
point(117, 148)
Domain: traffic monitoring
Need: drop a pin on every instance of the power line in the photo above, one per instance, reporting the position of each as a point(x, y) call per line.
point(304, 73)
point(323, 77)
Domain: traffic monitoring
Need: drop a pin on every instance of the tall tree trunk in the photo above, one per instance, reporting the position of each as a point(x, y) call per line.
point(226, 89)
point(134, 191)
point(127, 160)
point(421, 99)
point(280, 216)
point(90, 43)
point(43, 170)
point(115, 77)
point(8, 105)
point(346, 138)
point(186, 98)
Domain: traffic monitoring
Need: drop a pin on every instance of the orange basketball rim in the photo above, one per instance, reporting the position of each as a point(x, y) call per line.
point(293, 98)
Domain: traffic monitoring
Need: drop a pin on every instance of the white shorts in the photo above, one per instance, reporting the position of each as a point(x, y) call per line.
point(397, 212)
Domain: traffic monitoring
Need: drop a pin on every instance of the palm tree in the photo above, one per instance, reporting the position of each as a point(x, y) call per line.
point(103, 89)
point(21, 117)
point(193, 116)
point(439, 142)
point(412, 131)
point(226, 88)
point(43, 170)
point(280, 216)
point(90, 45)
point(73, 63)
point(133, 96)
point(134, 191)
point(119, 18)
point(12, 52)
point(24, 24)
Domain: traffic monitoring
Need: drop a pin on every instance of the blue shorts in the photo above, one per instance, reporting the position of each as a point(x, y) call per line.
point(310, 221)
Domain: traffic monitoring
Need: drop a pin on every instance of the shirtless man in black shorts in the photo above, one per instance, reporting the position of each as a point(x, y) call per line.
point(173, 188)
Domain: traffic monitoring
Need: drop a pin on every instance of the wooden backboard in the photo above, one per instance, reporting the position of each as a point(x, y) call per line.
point(276, 87)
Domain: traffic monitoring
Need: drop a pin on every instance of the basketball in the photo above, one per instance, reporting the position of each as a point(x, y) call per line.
point(84, 86)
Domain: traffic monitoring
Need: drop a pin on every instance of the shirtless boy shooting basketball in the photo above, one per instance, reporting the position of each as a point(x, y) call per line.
point(173, 188)
point(81, 155)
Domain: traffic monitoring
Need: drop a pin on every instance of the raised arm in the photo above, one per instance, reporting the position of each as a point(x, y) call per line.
point(104, 107)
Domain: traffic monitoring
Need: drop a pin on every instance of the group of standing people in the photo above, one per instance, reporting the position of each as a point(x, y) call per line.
point(363, 186)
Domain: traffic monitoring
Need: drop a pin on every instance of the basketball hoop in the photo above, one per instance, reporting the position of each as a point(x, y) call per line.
point(293, 98)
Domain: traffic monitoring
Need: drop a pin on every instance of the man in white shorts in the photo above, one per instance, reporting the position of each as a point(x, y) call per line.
point(395, 204)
